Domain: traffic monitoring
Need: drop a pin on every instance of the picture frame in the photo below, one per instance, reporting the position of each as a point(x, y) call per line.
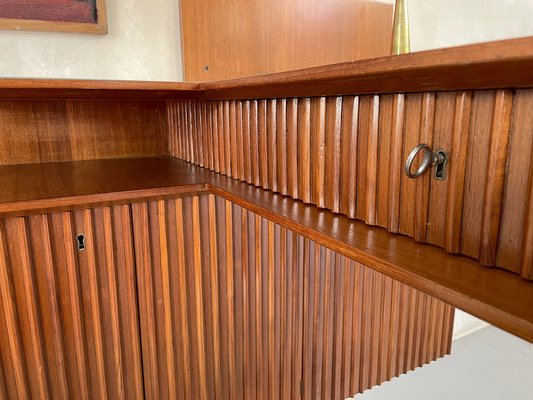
point(78, 16)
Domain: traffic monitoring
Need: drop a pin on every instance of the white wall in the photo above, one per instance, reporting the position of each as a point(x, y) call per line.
point(143, 43)
point(445, 23)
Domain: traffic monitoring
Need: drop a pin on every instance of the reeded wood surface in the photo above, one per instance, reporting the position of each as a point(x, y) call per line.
point(44, 131)
point(236, 306)
point(69, 319)
point(347, 154)
point(497, 296)
point(243, 38)
point(501, 64)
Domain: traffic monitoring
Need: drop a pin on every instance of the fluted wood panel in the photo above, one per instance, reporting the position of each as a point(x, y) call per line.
point(347, 154)
point(69, 322)
point(233, 305)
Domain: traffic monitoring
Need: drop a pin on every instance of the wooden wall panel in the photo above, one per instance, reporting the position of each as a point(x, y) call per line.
point(67, 130)
point(236, 306)
point(347, 154)
point(224, 40)
point(69, 318)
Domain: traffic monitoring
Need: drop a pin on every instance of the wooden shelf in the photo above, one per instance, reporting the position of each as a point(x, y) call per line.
point(501, 64)
point(29, 89)
point(496, 296)
point(49, 186)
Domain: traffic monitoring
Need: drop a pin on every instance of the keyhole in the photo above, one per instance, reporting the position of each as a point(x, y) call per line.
point(440, 168)
point(81, 242)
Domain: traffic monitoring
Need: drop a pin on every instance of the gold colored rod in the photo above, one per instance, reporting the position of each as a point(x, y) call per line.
point(401, 42)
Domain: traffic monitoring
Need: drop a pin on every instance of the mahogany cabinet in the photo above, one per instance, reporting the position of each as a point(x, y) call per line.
point(196, 297)
point(258, 237)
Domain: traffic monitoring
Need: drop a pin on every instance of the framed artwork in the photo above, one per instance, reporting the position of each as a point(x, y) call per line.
point(82, 16)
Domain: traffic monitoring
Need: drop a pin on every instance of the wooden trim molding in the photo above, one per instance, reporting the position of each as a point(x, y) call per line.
point(99, 27)
point(493, 65)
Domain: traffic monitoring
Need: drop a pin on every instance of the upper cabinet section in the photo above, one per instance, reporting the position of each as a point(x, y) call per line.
point(347, 154)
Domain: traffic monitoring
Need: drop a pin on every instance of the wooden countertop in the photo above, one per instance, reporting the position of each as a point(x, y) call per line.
point(499, 297)
point(500, 64)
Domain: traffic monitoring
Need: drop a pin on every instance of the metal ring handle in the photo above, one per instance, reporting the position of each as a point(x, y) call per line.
point(426, 162)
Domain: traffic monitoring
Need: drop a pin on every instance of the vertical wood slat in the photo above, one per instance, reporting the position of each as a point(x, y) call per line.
point(347, 154)
point(304, 149)
point(127, 304)
point(493, 195)
point(65, 224)
point(348, 179)
point(333, 153)
point(87, 262)
point(47, 276)
point(318, 156)
point(515, 230)
point(292, 148)
point(422, 191)
point(33, 324)
point(11, 324)
point(395, 162)
point(454, 201)
point(476, 172)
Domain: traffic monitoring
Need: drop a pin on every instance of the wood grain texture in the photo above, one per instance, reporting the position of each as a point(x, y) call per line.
point(350, 151)
point(45, 131)
point(496, 296)
point(69, 317)
point(216, 47)
point(257, 308)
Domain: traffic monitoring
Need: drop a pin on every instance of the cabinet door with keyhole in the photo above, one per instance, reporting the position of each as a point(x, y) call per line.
point(68, 314)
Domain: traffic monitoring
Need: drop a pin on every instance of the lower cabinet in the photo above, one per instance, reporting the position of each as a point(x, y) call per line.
point(197, 298)
point(234, 306)
point(69, 318)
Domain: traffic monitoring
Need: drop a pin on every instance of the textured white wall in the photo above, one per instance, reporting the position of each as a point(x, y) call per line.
point(445, 23)
point(143, 43)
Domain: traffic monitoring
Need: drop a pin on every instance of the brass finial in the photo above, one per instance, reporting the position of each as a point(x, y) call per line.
point(400, 29)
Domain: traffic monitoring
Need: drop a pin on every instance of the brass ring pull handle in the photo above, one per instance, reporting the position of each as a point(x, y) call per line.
point(439, 159)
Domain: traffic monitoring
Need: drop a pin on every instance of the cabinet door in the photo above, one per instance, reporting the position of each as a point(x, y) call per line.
point(218, 292)
point(69, 323)
point(234, 306)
